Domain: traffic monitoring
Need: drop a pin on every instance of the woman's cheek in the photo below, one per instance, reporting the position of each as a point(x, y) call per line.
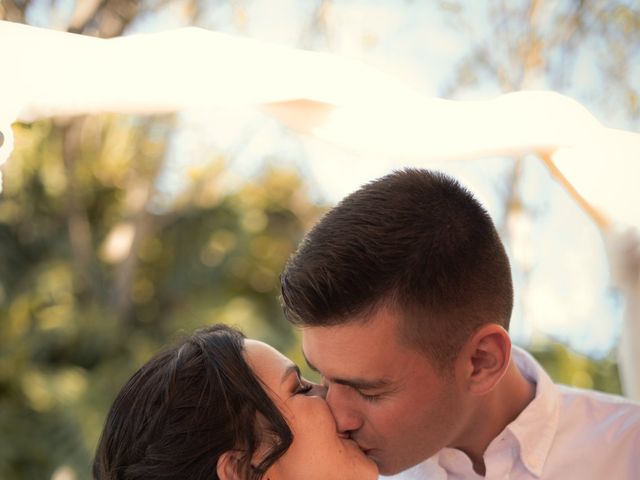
point(321, 412)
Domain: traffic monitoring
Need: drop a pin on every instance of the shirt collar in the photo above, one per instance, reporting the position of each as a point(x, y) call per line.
point(536, 426)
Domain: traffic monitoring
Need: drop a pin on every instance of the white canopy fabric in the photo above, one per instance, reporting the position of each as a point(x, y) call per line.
point(341, 101)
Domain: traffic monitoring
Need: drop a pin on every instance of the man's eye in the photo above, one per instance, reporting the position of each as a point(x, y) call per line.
point(369, 398)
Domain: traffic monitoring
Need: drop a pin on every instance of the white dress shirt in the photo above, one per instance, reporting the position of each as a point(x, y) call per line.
point(564, 433)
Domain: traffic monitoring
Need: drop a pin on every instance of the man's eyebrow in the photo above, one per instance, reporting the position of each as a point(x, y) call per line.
point(357, 383)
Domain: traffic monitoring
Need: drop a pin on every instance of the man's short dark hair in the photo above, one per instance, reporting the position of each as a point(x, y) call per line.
point(415, 242)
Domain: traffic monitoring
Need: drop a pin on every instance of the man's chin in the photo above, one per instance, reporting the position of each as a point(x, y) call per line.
point(384, 468)
point(374, 455)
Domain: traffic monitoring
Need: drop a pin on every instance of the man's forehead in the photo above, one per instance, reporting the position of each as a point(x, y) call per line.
point(357, 374)
point(351, 349)
point(377, 325)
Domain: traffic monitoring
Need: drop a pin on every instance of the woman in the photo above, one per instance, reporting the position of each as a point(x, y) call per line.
point(219, 406)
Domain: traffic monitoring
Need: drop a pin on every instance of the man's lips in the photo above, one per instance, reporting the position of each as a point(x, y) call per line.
point(364, 449)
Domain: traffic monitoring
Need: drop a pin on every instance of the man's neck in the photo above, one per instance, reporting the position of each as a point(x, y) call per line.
point(494, 412)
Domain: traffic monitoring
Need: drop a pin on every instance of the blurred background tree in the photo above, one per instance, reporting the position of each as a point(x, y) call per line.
point(99, 266)
point(76, 322)
point(98, 270)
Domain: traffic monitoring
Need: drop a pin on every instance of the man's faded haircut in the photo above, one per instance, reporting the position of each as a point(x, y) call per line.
point(415, 242)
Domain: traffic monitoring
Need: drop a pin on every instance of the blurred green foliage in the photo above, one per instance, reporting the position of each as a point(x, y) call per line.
point(97, 272)
point(570, 368)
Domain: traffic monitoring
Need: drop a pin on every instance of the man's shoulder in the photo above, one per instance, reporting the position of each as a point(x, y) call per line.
point(591, 409)
point(574, 397)
point(600, 427)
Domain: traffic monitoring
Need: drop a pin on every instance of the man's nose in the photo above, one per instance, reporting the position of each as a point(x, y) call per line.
point(347, 418)
point(319, 390)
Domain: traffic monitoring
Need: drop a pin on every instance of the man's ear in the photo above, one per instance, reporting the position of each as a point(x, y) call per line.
point(231, 465)
point(484, 359)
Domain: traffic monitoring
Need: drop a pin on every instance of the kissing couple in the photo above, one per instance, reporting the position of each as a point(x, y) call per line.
point(403, 295)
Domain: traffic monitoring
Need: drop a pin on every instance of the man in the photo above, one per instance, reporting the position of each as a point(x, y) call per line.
point(404, 295)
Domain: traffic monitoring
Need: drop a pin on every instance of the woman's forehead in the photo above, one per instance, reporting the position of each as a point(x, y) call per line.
point(266, 361)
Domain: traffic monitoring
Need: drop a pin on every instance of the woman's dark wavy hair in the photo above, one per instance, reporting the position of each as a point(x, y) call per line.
point(184, 408)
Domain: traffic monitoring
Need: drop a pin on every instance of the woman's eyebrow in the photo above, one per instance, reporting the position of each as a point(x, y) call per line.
point(290, 370)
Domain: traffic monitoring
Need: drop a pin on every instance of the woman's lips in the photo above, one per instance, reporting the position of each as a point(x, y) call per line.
point(364, 450)
point(346, 436)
